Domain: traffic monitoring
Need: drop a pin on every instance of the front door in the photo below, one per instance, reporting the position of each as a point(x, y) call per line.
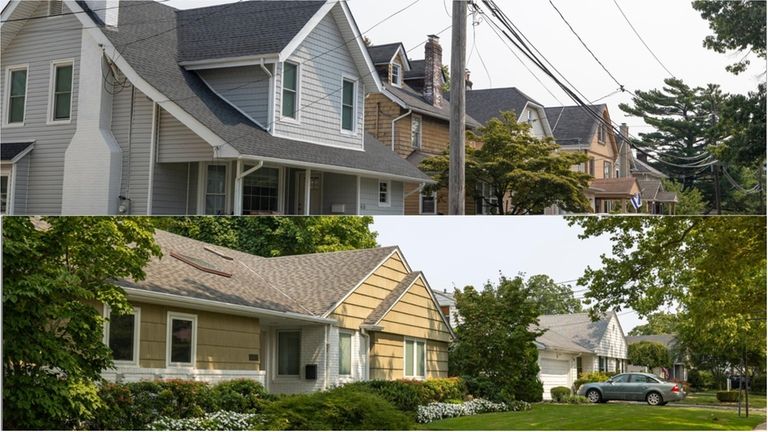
point(315, 197)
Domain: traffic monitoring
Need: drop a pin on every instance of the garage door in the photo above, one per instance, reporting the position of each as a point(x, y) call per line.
point(554, 373)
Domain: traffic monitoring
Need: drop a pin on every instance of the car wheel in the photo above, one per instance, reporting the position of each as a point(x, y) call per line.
point(594, 396)
point(654, 399)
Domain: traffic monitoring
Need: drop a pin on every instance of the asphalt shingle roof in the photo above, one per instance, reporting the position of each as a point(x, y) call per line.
point(614, 186)
point(578, 328)
point(553, 340)
point(382, 54)
point(649, 189)
point(573, 125)
point(486, 104)
point(9, 151)
point(391, 298)
point(417, 70)
point(304, 284)
point(415, 101)
point(148, 39)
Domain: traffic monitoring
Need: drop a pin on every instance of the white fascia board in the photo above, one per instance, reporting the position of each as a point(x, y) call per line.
point(394, 98)
point(371, 69)
point(155, 95)
point(401, 50)
point(23, 153)
point(8, 10)
point(542, 117)
point(141, 295)
point(294, 44)
point(230, 62)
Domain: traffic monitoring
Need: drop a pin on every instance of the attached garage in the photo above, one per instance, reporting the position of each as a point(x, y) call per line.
point(554, 373)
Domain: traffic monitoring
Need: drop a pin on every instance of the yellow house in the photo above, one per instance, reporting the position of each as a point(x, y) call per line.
point(295, 324)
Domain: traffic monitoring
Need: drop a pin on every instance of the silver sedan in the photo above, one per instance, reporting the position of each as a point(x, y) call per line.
point(633, 387)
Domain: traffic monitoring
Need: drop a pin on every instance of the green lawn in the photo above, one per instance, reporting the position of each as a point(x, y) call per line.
point(709, 398)
point(612, 416)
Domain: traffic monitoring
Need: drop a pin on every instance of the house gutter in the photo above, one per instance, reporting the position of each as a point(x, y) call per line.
point(418, 189)
point(264, 68)
point(393, 126)
point(364, 333)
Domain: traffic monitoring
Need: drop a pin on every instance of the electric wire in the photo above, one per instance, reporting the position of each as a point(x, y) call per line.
point(641, 38)
point(73, 13)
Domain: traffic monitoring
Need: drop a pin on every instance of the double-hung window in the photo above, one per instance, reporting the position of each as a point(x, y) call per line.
point(215, 189)
point(60, 104)
point(397, 75)
point(122, 336)
point(17, 95)
point(261, 191)
point(428, 203)
point(345, 353)
point(607, 168)
point(348, 109)
point(415, 358)
point(288, 353)
point(601, 134)
point(290, 90)
point(416, 131)
point(181, 340)
point(384, 193)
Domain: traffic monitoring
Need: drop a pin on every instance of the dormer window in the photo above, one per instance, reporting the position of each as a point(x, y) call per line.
point(397, 75)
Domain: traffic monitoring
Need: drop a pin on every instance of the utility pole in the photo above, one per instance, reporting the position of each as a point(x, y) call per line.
point(456, 177)
point(716, 171)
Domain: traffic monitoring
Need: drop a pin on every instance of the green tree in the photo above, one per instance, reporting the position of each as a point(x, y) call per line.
point(54, 271)
point(525, 173)
point(494, 344)
point(277, 236)
point(690, 202)
point(658, 323)
point(648, 354)
point(552, 298)
point(712, 270)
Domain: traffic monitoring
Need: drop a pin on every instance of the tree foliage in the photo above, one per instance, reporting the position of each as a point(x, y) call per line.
point(494, 342)
point(712, 270)
point(648, 354)
point(277, 236)
point(658, 323)
point(552, 298)
point(690, 202)
point(54, 271)
point(529, 172)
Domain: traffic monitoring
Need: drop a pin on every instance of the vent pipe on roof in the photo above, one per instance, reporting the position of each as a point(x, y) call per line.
point(108, 11)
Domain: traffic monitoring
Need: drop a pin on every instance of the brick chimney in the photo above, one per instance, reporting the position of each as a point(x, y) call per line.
point(469, 82)
point(433, 71)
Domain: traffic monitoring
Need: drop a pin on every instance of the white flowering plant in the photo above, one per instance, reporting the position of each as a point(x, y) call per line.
point(219, 420)
point(438, 410)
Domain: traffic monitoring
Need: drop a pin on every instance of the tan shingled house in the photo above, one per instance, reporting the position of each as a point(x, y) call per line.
point(296, 324)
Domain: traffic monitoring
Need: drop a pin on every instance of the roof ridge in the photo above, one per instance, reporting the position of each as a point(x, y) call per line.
point(332, 252)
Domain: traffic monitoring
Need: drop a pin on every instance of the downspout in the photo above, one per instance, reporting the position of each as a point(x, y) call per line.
point(393, 126)
point(264, 68)
point(363, 332)
point(418, 189)
point(325, 362)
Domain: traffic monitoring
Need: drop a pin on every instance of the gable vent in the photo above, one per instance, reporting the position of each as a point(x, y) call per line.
point(201, 265)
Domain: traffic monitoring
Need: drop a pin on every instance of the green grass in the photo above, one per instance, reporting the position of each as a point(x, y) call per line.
point(709, 398)
point(612, 416)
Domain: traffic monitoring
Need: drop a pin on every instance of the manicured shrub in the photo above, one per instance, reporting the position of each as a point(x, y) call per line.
point(559, 394)
point(588, 377)
point(484, 387)
point(404, 395)
point(700, 379)
point(758, 384)
point(338, 409)
point(727, 396)
point(242, 396)
point(441, 389)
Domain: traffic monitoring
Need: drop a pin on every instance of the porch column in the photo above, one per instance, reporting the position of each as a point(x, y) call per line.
point(623, 205)
point(238, 207)
point(307, 191)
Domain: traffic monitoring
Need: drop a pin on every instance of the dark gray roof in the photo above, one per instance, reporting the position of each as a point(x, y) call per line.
point(155, 59)
point(668, 340)
point(486, 104)
point(573, 124)
point(391, 299)
point(241, 29)
point(8, 151)
point(417, 70)
point(415, 101)
point(578, 328)
point(641, 167)
point(382, 54)
point(305, 284)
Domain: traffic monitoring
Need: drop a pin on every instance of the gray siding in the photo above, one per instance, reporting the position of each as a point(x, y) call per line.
point(247, 88)
point(21, 180)
point(320, 92)
point(339, 189)
point(613, 343)
point(40, 42)
point(134, 134)
point(369, 198)
point(177, 143)
point(169, 197)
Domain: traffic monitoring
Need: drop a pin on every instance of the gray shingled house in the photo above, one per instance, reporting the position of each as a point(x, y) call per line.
point(134, 107)
point(296, 324)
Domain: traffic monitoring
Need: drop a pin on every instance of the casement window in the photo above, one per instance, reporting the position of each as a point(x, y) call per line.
point(215, 189)
point(16, 89)
point(415, 358)
point(261, 191)
point(385, 193)
point(348, 105)
point(607, 169)
point(181, 342)
point(288, 353)
point(60, 104)
point(428, 203)
point(54, 7)
point(290, 90)
point(397, 75)
point(122, 336)
point(345, 353)
point(416, 131)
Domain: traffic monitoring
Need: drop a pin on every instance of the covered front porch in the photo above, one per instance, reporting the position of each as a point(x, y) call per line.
point(614, 195)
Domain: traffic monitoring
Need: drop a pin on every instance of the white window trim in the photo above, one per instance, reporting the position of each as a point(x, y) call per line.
point(355, 106)
point(601, 134)
point(136, 335)
point(399, 82)
point(405, 343)
point(9, 171)
point(51, 89)
point(421, 131)
point(202, 183)
point(168, 331)
point(351, 353)
point(389, 193)
point(280, 187)
point(7, 99)
point(283, 118)
point(421, 203)
point(277, 375)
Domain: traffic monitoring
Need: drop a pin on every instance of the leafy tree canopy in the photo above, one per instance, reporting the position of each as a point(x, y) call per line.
point(658, 323)
point(551, 297)
point(494, 341)
point(690, 202)
point(648, 354)
point(526, 174)
point(54, 271)
point(277, 236)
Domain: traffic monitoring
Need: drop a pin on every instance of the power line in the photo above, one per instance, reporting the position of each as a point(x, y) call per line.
point(73, 13)
point(641, 38)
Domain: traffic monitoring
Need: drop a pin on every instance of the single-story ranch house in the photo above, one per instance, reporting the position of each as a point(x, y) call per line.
point(295, 324)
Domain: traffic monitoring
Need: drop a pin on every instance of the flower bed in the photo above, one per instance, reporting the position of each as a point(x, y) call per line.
point(438, 410)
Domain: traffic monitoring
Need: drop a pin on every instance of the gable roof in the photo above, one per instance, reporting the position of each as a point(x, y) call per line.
point(552, 340)
point(486, 104)
point(389, 301)
point(573, 125)
point(414, 100)
point(641, 167)
point(577, 328)
point(155, 60)
point(621, 186)
point(11, 150)
point(303, 284)
point(246, 28)
point(383, 54)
